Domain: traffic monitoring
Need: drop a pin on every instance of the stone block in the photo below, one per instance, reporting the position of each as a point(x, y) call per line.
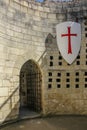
point(25, 3)
point(36, 28)
point(35, 7)
point(46, 9)
point(40, 8)
point(8, 70)
point(4, 91)
point(51, 16)
point(36, 18)
point(6, 83)
point(9, 32)
point(30, 11)
point(43, 15)
point(37, 13)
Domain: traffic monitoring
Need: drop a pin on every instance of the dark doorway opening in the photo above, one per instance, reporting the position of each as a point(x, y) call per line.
point(30, 88)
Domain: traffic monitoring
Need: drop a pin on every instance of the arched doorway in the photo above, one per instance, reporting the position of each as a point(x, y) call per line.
point(30, 87)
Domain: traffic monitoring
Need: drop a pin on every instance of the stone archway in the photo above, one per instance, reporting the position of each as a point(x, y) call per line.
point(30, 86)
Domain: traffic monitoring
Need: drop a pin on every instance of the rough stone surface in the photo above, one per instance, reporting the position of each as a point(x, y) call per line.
point(27, 31)
point(52, 123)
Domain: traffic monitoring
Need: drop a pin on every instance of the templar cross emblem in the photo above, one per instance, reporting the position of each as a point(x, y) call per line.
point(69, 39)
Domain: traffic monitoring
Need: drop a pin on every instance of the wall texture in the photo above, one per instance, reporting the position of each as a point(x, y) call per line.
point(24, 27)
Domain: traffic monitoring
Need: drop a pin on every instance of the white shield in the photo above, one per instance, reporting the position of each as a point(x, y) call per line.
point(69, 40)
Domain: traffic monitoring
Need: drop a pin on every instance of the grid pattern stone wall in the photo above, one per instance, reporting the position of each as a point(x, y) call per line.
point(66, 84)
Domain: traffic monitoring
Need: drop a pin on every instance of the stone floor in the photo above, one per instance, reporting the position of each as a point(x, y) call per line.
point(51, 123)
point(26, 113)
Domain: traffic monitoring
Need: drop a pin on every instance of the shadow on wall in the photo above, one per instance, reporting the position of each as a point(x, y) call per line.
point(10, 107)
point(50, 44)
point(50, 41)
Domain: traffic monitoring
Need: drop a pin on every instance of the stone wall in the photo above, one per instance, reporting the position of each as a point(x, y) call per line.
point(66, 84)
point(23, 30)
point(24, 27)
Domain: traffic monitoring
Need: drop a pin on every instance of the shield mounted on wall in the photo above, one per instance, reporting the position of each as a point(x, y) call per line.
point(69, 40)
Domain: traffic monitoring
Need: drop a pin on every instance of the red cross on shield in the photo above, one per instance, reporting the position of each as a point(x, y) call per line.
point(69, 40)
